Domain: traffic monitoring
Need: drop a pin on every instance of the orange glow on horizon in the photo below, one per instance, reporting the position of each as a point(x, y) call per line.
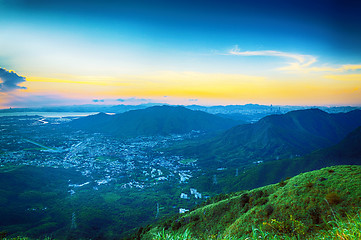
point(207, 88)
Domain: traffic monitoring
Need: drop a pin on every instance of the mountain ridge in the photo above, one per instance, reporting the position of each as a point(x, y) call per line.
point(157, 120)
point(276, 137)
point(347, 151)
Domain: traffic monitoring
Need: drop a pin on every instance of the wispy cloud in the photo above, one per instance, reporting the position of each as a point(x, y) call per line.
point(10, 80)
point(300, 62)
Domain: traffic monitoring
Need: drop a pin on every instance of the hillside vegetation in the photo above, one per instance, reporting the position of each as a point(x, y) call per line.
point(158, 120)
point(346, 152)
point(275, 137)
point(298, 207)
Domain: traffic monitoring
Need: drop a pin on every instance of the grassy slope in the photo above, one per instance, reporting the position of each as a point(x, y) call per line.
point(311, 198)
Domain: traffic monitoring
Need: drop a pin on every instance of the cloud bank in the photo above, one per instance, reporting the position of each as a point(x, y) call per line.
point(10, 80)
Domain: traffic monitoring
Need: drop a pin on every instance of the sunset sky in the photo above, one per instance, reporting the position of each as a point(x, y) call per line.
point(73, 52)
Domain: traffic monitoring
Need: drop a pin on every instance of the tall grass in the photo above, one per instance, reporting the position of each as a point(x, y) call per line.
point(186, 235)
point(348, 228)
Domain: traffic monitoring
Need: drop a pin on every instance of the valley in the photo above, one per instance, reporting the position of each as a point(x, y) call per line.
point(68, 177)
point(107, 166)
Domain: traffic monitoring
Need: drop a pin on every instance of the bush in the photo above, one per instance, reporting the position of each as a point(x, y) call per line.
point(176, 225)
point(315, 213)
point(269, 210)
point(290, 226)
point(261, 201)
point(258, 194)
point(167, 224)
point(333, 198)
point(195, 218)
point(282, 183)
point(244, 199)
point(309, 185)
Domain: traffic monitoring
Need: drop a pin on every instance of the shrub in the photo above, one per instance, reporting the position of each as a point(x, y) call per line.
point(195, 218)
point(290, 226)
point(176, 225)
point(261, 201)
point(186, 235)
point(333, 198)
point(257, 194)
point(282, 183)
point(167, 224)
point(315, 213)
point(309, 185)
point(269, 210)
point(244, 199)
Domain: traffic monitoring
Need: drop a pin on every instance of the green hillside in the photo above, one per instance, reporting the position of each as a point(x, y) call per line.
point(275, 137)
point(347, 151)
point(158, 120)
point(300, 207)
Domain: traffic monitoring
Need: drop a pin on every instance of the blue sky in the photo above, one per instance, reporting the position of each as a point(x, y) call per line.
point(77, 51)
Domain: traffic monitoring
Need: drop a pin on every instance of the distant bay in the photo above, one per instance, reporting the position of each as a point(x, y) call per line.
point(48, 114)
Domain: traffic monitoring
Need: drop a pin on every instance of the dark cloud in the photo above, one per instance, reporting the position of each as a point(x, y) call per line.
point(98, 100)
point(10, 80)
point(133, 99)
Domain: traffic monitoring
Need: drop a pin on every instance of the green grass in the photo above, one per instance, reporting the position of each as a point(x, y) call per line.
point(162, 235)
point(343, 228)
point(348, 228)
point(297, 208)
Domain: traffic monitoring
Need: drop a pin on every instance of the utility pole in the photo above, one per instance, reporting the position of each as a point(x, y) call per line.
point(156, 216)
point(73, 221)
point(215, 179)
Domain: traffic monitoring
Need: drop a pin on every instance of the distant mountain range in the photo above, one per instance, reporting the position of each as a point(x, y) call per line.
point(276, 137)
point(247, 112)
point(157, 120)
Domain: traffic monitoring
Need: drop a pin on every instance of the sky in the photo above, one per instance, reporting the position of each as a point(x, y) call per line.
point(73, 52)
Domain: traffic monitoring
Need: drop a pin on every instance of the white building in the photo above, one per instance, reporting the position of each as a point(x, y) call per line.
point(184, 196)
point(183, 210)
point(195, 193)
